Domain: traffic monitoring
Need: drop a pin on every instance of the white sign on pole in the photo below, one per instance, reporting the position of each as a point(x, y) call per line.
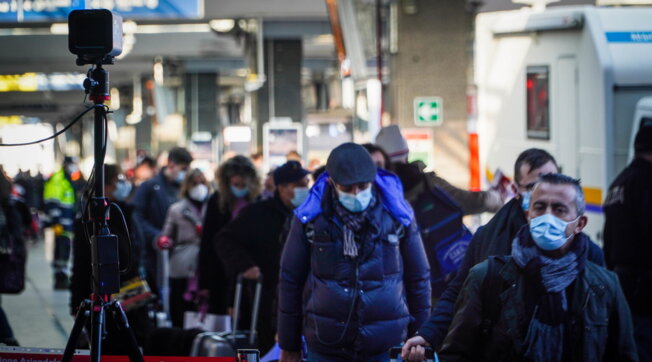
point(428, 111)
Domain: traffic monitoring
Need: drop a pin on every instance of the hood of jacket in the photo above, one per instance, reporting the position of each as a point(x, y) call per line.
point(389, 188)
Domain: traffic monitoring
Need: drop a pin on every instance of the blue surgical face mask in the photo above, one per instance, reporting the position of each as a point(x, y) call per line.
point(300, 195)
point(525, 200)
point(549, 232)
point(122, 190)
point(239, 192)
point(181, 176)
point(355, 203)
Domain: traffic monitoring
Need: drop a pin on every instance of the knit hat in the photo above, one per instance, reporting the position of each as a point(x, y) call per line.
point(643, 140)
point(290, 171)
point(349, 163)
point(392, 142)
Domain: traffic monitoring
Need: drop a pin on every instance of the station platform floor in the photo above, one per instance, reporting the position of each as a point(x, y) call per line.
point(39, 316)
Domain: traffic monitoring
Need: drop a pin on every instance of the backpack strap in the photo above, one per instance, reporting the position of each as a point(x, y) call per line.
point(492, 285)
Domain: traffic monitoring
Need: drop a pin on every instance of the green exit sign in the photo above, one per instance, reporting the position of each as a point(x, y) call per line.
point(428, 111)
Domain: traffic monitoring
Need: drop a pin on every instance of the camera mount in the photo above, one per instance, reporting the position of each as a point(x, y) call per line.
point(92, 37)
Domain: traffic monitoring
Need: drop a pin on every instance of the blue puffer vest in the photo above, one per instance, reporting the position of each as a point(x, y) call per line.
point(353, 308)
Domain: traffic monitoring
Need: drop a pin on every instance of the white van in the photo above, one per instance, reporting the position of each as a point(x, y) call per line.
point(574, 81)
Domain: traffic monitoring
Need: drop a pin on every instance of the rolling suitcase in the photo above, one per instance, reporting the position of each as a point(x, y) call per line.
point(226, 344)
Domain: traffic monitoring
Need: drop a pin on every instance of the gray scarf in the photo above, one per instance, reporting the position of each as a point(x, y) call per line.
point(545, 336)
point(352, 223)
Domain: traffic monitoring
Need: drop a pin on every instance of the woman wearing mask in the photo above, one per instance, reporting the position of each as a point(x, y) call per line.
point(238, 185)
point(182, 234)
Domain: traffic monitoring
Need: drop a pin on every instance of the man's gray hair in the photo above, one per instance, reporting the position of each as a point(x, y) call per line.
point(561, 179)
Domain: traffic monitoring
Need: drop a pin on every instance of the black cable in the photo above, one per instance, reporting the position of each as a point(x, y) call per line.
point(56, 134)
point(126, 231)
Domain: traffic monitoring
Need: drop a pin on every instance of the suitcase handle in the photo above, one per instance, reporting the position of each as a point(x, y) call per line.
point(395, 353)
point(254, 310)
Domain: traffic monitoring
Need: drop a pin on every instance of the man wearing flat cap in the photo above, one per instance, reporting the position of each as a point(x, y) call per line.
point(628, 236)
point(250, 243)
point(354, 277)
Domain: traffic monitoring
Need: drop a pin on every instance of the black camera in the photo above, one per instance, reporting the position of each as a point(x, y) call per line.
point(95, 36)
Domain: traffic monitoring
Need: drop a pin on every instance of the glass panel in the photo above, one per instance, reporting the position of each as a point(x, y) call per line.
point(538, 109)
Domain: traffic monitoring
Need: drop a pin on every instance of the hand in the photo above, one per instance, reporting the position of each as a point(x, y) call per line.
point(290, 356)
point(252, 273)
point(202, 296)
point(164, 242)
point(413, 349)
point(58, 229)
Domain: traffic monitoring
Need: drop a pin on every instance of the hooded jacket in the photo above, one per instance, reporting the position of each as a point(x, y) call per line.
point(352, 308)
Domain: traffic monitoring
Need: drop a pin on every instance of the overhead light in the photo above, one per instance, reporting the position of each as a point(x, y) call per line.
point(59, 28)
point(222, 25)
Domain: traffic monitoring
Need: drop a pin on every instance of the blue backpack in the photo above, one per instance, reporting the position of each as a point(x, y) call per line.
point(444, 236)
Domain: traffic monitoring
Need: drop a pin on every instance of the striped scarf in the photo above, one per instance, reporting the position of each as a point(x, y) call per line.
point(352, 223)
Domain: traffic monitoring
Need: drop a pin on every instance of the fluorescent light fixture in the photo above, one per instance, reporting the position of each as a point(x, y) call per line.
point(59, 28)
point(222, 25)
point(237, 134)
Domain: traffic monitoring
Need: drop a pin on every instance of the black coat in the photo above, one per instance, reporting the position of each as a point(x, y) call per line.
point(253, 239)
point(211, 271)
point(628, 233)
point(151, 203)
point(495, 238)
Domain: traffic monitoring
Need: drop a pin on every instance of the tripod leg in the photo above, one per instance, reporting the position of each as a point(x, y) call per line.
point(121, 321)
point(97, 330)
point(80, 321)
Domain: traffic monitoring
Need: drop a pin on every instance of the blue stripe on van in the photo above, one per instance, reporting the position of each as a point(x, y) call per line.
point(629, 36)
point(594, 208)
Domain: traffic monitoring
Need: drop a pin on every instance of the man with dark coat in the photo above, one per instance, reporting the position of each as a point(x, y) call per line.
point(495, 238)
point(546, 301)
point(628, 236)
point(354, 276)
point(151, 203)
point(250, 243)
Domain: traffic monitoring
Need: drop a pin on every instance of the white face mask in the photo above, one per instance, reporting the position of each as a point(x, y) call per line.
point(122, 190)
point(355, 203)
point(300, 195)
point(549, 231)
point(199, 193)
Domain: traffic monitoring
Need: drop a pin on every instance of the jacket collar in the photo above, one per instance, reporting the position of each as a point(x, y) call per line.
point(390, 194)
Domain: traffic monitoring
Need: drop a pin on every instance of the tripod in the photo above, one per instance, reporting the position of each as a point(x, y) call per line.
point(104, 245)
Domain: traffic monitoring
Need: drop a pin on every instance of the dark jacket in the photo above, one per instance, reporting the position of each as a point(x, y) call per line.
point(628, 233)
point(352, 308)
point(252, 239)
point(211, 271)
point(600, 323)
point(151, 202)
point(495, 238)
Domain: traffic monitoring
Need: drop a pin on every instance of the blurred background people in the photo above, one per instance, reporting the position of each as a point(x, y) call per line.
point(61, 202)
point(628, 236)
point(181, 234)
point(13, 252)
point(472, 202)
point(238, 186)
point(250, 243)
point(151, 202)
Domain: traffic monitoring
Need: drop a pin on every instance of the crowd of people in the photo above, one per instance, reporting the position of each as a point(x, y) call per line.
point(368, 252)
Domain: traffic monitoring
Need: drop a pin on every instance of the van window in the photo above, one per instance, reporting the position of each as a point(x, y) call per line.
point(538, 114)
